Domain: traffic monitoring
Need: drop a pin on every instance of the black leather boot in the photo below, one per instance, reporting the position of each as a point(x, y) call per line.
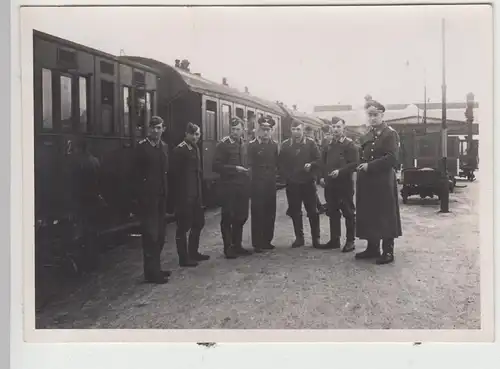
point(334, 242)
point(182, 251)
point(298, 227)
point(387, 252)
point(194, 245)
point(237, 236)
point(229, 251)
point(315, 233)
point(372, 250)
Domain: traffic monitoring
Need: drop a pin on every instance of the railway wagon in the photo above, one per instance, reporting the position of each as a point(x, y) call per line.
point(82, 94)
point(187, 97)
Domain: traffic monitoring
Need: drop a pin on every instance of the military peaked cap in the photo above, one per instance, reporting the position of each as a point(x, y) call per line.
point(266, 122)
point(375, 104)
point(156, 120)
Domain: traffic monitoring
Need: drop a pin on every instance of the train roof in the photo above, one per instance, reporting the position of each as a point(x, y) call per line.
point(90, 50)
point(308, 119)
point(193, 82)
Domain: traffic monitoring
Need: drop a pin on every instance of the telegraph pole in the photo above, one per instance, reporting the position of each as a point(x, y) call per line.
point(445, 194)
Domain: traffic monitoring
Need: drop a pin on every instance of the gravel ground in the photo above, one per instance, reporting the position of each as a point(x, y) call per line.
point(434, 283)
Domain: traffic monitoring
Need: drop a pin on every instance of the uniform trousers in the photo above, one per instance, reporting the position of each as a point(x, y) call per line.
point(190, 218)
point(153, 226)
point(339, 201)
point(234, 213)
point(263, 208)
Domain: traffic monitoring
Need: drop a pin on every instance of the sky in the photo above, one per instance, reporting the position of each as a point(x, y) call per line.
point(301, 55)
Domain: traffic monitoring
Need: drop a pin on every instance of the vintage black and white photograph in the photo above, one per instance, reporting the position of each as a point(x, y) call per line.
point(271, 168)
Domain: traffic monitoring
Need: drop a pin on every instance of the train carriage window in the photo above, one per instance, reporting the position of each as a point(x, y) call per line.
point(107, 102)
point(140, 108)
point(210, 129)
point(148, 107)
point(226, 118)
point(83, 95)
point(153, 103)
point(126, 110)
point(66, 103)
point(240, 113)
point(47, 122)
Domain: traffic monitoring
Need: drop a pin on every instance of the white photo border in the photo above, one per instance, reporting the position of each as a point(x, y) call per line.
point(91, 354)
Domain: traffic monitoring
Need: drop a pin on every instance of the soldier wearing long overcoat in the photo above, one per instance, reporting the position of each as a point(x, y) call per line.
point(263, 163)
point(151, 169)
point(190, 216)
point(378, 216)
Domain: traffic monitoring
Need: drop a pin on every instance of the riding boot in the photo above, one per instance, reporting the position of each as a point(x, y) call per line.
point(350, 225)
point(182, 251)
point(194, 245)
point(372, 250)
point(237, 237)
point(315, 233)
point(334, 242)
point(229, 251)
point(298, 228)
point(387, 252)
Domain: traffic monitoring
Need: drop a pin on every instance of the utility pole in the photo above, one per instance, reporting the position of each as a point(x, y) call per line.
point(424, 120)
point(445, 193)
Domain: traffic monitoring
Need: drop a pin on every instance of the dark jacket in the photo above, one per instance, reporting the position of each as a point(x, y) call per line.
point(263, 161)
point(377, 200)
point(151, 169)
point(294, 155)
point(187, 174)
point(228, 155)
point(342, 155)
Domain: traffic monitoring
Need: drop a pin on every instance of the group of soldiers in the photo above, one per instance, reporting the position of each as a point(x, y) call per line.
point(248, 175)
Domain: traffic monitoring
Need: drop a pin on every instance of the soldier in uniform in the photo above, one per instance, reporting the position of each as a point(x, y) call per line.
point(230, 162)
point(339, 161)
point(378, 216)
point(298, 160)
point(308, 131)
point(186, 167)
point(151, 167)
point(263, 161)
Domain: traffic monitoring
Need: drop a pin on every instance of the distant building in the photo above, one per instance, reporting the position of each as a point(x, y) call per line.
point(355, 116)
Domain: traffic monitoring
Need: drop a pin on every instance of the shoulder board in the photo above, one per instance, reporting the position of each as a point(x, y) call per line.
point(310, 139)
point(286, 141)
point(347, 139)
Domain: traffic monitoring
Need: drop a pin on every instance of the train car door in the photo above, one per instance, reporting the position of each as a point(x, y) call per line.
point(225, 115)
point(209, 135)
point(239, 111)
point(427, 151)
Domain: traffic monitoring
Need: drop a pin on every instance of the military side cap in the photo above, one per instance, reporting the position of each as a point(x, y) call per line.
point(373, 104)
point(266, 122)
point(335, 120)
point(156, 120)
point(236, 120)
point(296, 122)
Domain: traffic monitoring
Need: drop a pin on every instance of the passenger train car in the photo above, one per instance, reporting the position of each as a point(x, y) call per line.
point(83, 94)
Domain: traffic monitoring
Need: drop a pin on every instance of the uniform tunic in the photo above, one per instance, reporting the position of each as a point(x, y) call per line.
point(300, 184)
point(263, 162)
point(341, 155)
point(151, 168)
point(377, 202)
